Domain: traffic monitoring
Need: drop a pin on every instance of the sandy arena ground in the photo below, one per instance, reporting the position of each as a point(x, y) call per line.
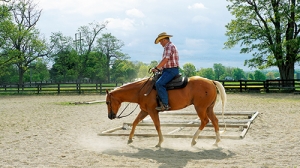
point(47, 131)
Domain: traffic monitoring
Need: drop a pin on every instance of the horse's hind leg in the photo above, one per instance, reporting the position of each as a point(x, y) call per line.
point(140, 117)
point(204, 120)
point(211, 115)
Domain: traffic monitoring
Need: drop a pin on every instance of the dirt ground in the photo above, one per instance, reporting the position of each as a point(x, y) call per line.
point(48, 131)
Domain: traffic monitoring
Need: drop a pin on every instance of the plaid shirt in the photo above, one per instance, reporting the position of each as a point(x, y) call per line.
point(170, 52)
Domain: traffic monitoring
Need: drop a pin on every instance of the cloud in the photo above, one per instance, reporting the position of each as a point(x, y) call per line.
point(86, 8)
point(200, 19)
point(194, 42)
point(122, 24)
point(135, 13)
point(187, 53)
point(197, 6)
point(133, 42)
point(198, 28)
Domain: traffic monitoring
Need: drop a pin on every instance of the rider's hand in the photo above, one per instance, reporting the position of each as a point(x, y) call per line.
point(154, 70)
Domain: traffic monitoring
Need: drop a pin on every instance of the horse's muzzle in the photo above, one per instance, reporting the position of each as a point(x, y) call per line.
point(111, 115)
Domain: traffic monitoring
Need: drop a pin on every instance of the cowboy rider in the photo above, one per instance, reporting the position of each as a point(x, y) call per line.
point(169, 65)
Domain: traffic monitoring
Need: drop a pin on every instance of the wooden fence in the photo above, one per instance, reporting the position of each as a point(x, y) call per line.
point(57, 88)
point(99, 88)
point(267, 86)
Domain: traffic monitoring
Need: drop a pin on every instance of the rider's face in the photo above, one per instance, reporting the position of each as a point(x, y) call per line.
point(163, 42)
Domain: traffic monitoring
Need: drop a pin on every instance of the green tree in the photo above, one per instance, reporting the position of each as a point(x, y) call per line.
point(79, 60)
point(85, 43)
point(270, 75)
point(142, 70)
point(277, 75)
point(153, 64)
point(95, 69)
point(238, 74)
point(228, 72)
point(10, 78)
point(270, 30)
point(189, 70)
point(65, 66)
point(6, 29)
point(123, 71)
point(65, 58)
point(38, 71)
point(206, 73)
point(60, 43)
point(110, 46)
point(250, 76)
point(258, 75)
point(23, 43)
point(219, 70)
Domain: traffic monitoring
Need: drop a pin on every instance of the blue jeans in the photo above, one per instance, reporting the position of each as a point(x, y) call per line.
point(167, 75)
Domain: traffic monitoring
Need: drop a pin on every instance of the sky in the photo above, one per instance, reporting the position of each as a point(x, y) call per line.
point(197, 26)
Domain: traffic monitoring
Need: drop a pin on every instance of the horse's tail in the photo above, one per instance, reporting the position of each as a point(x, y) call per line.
point(223, 96)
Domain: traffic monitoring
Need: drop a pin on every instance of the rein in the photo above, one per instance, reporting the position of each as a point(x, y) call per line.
point(146, 81)
point(127, 114)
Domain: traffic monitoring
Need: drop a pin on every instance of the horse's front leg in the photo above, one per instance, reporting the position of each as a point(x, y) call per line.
point(155, 119)
point(140, 117)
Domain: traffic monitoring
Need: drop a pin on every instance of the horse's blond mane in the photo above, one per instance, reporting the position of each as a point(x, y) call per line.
point(132, 83)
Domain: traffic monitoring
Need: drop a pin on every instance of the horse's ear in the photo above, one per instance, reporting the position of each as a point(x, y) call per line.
point(106, 91)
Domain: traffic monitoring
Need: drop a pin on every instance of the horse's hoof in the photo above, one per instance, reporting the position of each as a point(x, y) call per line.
point(157, 146)
point(129, 141)
point(193, 143)
point(215, 144)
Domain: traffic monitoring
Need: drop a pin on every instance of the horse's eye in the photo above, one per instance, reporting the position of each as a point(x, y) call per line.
point(107, 102)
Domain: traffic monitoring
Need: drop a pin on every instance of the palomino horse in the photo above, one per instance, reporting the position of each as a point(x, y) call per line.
point(200, 92)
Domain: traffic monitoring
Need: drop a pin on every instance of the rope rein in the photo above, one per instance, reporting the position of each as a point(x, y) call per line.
point(125, 109)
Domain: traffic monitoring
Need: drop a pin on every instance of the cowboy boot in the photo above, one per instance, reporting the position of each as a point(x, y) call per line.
point(163, 107)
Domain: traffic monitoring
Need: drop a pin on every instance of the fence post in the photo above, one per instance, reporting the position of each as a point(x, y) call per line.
point(241, 86)
point(58, 88)
point(100, 88)
point(78, 88)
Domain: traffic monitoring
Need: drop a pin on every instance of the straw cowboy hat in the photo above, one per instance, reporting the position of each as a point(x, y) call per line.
point(161, 36)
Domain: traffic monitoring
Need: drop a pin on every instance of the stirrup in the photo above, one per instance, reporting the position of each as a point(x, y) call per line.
point(163, 108)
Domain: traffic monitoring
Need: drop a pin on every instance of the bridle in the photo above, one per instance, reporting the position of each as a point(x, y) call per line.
point(109, 104)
